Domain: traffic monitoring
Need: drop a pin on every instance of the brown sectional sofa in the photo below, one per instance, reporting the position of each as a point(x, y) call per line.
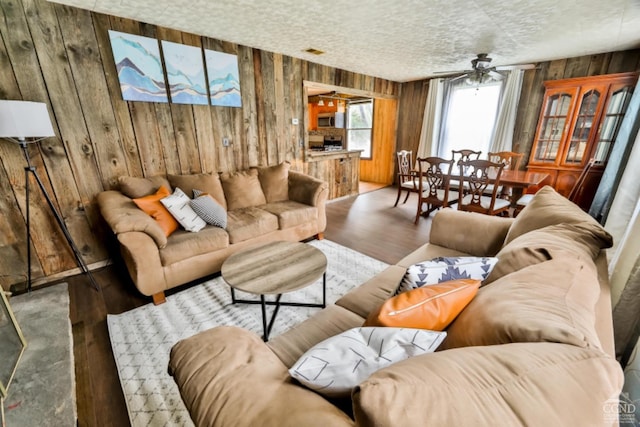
point(263, 205)
point(534, 348)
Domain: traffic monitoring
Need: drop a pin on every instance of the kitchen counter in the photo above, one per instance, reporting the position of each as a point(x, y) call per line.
point(338, 168)
point(315, 156)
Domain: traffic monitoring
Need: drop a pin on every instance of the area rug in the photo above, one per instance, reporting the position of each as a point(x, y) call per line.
point(142, 338)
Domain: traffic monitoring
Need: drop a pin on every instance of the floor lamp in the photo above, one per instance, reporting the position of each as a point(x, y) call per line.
point(20, 120)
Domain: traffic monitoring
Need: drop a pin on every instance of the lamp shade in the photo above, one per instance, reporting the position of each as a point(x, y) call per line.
point(24, 119)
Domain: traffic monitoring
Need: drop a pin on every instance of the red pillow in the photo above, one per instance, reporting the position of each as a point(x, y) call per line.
point(431, 307)
point(151, 206)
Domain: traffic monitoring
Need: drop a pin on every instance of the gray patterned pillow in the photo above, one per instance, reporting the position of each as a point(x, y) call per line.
point(209, 209)
point(443, 269)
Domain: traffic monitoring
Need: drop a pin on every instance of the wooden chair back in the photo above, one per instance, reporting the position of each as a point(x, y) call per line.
point(482, 178)
point(405, 163)
point(435, 174)
point(511, 159)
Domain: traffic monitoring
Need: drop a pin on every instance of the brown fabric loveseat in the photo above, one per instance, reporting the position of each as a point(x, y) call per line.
point(533, 348)
point(262, 204)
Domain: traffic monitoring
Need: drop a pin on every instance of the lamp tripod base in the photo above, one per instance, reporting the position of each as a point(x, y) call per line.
point(29, 169)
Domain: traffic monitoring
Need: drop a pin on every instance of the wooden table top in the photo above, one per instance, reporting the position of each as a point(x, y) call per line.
point(274, 268)
point(522, 178)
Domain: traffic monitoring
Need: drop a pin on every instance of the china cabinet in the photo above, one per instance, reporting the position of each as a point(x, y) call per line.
point(579, 120)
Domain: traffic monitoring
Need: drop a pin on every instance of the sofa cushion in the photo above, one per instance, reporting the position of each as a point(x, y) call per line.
point(522, 384)
point(548, 207)
point(583, 239)
point(370, 295)
point(336, 365)
point(247, 223)
point(274, 181)
point(183, 244)
point(228, 377)
point(136, 187)
point(151, 206)
point(442, 269)
point(429, 307)
point(207, 183)
point(291, 214)
point(242, 189)
point(551, 301)
point(178, 205)
point(209, 209)
point(291, 345)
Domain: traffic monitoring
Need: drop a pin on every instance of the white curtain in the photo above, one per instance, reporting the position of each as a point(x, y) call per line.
point(502, 137)
point(431, 120)
point(623, 223)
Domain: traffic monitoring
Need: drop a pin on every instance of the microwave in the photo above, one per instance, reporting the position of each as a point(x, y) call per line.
point(326, 120)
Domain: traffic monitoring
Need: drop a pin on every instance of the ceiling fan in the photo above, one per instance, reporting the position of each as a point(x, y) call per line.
point(483, 72)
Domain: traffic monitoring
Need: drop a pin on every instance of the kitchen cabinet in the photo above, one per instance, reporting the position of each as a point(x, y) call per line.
point(579, 120)
point(340, 169)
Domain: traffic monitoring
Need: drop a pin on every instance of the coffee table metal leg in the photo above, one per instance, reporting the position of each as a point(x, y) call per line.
point(324, 289)
point(233, 295)
point(265, 332)
point(267, 329)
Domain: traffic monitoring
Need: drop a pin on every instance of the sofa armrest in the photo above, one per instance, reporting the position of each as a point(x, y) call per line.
point(227, 376)
point(307, 189)
point(142, 259)
point(123, 216)
point(535, 384)
point(469, 232)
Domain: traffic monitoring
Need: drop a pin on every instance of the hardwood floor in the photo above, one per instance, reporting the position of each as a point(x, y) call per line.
point(367, 223)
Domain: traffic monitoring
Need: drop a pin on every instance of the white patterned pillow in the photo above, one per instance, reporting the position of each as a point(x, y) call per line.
point(209, 209)
point(336, 365)
point(442, 269)
point(178, 205)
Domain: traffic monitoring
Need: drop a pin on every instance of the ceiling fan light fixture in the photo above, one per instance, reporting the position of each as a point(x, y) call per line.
point(321, 102)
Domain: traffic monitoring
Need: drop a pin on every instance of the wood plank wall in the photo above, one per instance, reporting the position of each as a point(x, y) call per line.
point(62, 56)
point(414, 95)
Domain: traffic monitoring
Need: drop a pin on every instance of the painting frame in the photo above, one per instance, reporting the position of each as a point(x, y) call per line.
point(223, 79)
point(185, 73)
point(139, 67)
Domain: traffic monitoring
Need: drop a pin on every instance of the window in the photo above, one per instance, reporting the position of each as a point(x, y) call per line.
point(359, 124)
point(469, 117)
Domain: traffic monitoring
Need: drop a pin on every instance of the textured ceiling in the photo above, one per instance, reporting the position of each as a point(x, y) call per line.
point(399, 40)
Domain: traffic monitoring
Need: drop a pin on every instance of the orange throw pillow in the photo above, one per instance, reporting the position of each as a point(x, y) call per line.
point(151, 206)
point(431, 307)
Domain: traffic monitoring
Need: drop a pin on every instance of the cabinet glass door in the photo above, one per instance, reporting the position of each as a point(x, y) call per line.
point(553, 121)
point(584, 124)
point(610, 124)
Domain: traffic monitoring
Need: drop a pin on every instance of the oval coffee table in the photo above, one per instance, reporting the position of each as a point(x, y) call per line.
point(274, 269)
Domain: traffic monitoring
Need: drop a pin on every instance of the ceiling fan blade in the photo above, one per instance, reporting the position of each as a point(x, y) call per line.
point(461, 76)
point(495, 75)
point(516, 67)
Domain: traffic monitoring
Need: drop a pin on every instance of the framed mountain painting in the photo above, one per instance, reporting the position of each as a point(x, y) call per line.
point(224, 78)
point(185, 73)
point(139, 67)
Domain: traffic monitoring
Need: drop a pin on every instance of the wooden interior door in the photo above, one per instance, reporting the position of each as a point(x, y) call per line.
point(380, 167)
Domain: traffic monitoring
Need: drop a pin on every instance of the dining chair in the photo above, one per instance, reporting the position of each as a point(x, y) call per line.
point(511, 161)
point(435, 172)
point(462, 155)
point(573, 194)
point(478, 174)
point(407, 176)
